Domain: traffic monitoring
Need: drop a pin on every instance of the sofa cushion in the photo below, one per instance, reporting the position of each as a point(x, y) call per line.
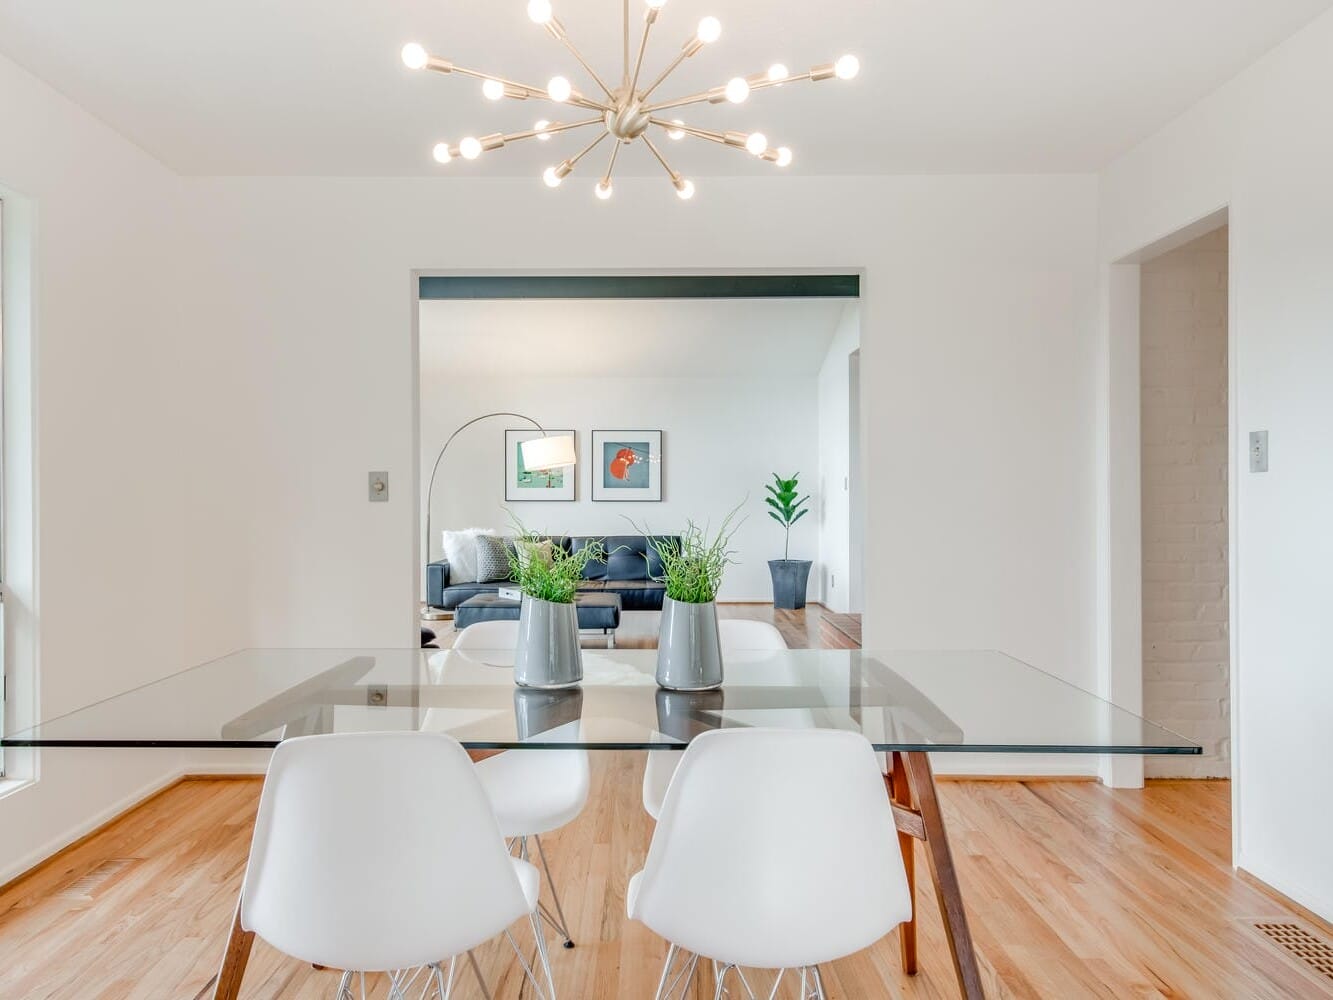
point(628, 557)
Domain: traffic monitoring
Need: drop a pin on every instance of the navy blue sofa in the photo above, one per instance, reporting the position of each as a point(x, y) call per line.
point(631, 563)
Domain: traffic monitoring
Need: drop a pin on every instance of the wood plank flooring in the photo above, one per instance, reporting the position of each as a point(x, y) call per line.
point(1073, 891)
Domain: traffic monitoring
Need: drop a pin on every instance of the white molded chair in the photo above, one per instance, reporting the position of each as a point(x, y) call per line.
point(736, 635)
point(533, 791)
point(353, 867)
point(775, 849)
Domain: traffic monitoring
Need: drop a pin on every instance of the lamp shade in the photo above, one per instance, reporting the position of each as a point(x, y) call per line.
point(544, 453)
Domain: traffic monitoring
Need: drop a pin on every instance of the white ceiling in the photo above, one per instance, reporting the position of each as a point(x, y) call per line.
point(316, 87)
point(638, 338)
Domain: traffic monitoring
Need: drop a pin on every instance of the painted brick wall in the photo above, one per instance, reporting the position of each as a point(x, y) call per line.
point(1184, 481)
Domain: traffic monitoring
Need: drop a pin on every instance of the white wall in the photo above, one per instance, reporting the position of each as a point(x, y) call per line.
point(831, 503)
point(721, 440)
point(100, 392)
point(1261, 144)
point(1183, 402)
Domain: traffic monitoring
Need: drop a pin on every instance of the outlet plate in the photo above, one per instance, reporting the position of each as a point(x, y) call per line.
point(1258, 451)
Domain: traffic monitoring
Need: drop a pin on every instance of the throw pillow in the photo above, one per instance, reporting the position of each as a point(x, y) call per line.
point(492, 559)
point(460, 551)
point(535, 550)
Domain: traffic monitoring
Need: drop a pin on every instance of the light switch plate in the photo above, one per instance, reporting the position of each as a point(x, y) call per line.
point(378, 485)
point(1258, 451)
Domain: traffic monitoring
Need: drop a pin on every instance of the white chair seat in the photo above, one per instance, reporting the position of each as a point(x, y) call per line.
point(534, 791)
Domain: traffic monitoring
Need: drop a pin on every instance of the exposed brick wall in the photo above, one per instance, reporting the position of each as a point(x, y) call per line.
point(1186, 674)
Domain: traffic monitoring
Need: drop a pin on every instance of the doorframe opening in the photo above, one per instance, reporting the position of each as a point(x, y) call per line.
point(1121, 673)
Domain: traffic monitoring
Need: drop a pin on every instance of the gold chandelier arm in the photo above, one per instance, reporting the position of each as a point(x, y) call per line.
point(675, 177)
point(557, 31)
point(500, 139)
point(691, 46)
point(716, 95)
point(551, 129)
point(624, 76)
point(698, 133)
point(522, 91)
point(573, 160)
point(615, 151)
point(650, 16)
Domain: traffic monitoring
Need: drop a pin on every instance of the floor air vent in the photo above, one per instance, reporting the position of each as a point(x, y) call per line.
point(1313, 951)
point(90, 884)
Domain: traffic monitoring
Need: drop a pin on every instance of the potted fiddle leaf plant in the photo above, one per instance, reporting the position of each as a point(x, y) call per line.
point(689, 650)
point(790, 576)
point(548, 574)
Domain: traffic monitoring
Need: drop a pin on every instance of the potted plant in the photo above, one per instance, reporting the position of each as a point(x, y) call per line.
point(548, 653)
point(790, 576)
point(689, 652)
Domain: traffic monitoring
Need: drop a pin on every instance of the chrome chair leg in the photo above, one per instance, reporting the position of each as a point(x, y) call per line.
point(666, 971)
point(721, 978)
point(562, 927)
point(666, 986)
point(345, 987)
point(819, 983)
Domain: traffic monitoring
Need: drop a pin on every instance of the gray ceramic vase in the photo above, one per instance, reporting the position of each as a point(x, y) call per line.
point(689, 652)
point(548, 654)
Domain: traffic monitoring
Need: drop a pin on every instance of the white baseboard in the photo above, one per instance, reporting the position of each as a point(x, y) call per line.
point(1014, 765)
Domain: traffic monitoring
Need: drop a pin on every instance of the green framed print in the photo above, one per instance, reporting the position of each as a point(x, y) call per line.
point(556, 485)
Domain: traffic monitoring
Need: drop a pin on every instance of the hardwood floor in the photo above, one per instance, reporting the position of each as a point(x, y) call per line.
point(1073, 890)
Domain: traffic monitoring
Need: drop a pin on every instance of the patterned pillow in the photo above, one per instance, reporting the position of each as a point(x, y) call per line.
point(492, 559)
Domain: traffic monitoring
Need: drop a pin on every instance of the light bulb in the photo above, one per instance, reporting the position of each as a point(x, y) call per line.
point(441, 152)
point(558, 89)
point(540, 128)
point(784, 156)
point(710, 30)
point(414, 56)
point(778, 72)
point(603, 188)
point(756, 143)
point(738, 89)
point(676, 133)
point(847, 67)
point(469, 148)
point(685, 190)
point(655, 4)
point(493, 89)
point(551, 178)
point(539, 11)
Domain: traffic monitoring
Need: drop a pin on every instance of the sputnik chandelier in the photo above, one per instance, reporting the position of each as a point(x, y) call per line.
point(625, 112)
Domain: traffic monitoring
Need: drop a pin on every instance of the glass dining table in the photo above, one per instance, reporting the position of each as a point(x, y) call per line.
point(907, 704)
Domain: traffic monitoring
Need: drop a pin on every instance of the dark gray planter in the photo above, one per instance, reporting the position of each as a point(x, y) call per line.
point(790, 577)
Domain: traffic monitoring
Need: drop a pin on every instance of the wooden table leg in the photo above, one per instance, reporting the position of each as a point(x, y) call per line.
point(901, 794)
point(228, 986)
point(921, 781)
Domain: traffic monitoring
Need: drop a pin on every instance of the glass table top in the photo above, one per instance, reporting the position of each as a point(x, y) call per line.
point(971, 701)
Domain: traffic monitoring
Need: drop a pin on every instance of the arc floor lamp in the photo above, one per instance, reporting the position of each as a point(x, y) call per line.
point(539, 455)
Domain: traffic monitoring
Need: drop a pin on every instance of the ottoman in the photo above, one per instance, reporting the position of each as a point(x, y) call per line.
point(596, 611)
